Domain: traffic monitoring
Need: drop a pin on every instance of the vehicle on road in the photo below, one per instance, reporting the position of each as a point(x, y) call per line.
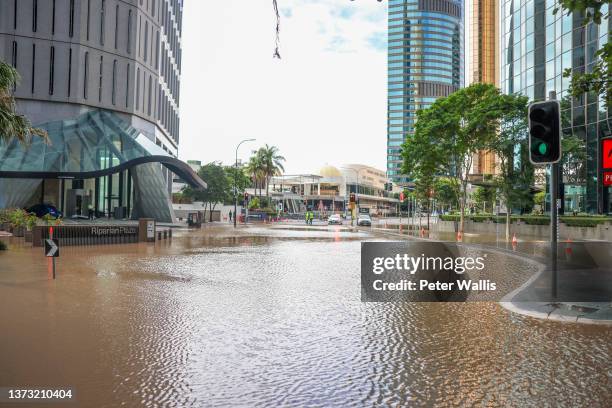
point(364, 220)
point(334, 219)
point(43, 209)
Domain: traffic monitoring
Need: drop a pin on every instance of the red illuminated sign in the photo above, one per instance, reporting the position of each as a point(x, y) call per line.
point(607, 178)
point(606, 151)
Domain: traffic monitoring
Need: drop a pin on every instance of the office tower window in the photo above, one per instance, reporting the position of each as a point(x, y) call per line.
point(129, 31)
point(71, 20)
point(113, 96)
point(69, 70)
point(14, 55)
point(88, 15)
point(34, 15)
point(14, 60)
point(137, 88)
point(127, 87)
point(102, 15)
point(15, 15)
point(139, 35)
point(53, 18)
point(33, 66)
point(51, 70)
point(157, 51)
point(116, 23)
point(149, 103)
point(100, 79)
point(86, 75)
point(153, 9)
point(146, 40)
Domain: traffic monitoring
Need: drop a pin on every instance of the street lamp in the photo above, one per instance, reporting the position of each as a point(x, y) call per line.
point(236, 181)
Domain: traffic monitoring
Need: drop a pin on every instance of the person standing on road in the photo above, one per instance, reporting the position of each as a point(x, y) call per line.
point(230, 216)
point(307, 216)
point(90, 211)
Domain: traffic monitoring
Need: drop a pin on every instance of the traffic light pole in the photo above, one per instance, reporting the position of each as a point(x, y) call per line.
point(554, 216)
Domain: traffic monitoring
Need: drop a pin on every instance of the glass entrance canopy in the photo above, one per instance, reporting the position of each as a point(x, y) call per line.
point(96, 144)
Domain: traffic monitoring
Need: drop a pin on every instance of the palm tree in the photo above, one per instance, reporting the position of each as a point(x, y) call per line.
point(13, 125)
point(254, 169)
point(271, 164)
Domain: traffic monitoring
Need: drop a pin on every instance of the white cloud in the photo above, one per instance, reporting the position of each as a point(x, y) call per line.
point(323, 102)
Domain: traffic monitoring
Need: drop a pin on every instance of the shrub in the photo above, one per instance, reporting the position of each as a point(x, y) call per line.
point(536, 220)
point(480, 218)
point(254, 203)
point(449, 217)
point(2, 246)
point(581, 222)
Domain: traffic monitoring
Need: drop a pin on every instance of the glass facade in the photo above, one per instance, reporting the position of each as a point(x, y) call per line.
point(95, 160)
point(537, 47)
point(425, 61)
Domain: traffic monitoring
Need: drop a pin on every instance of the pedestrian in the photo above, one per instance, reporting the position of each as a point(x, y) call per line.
point(230, 216)
point(307, 216)
point(311, 217)
point(90, 211)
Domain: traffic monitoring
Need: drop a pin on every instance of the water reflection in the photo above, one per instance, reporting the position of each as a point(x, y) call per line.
point(273, 317)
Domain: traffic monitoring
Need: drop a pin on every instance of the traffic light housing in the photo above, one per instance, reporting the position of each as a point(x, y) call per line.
point(545, 132)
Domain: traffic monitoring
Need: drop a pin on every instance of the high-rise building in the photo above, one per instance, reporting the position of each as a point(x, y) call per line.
point(102, 76)
point(537, 47)
point(483, 67)
point(425, 61)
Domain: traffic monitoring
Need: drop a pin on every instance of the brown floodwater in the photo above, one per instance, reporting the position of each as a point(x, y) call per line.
point(273, 317)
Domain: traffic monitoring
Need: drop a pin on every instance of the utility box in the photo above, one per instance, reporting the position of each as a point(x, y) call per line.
point(146, 230)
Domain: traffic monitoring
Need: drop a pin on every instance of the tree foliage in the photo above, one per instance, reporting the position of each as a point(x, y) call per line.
point(599, 79)
point(218, 186)
point(13, 125)
point(449, 133)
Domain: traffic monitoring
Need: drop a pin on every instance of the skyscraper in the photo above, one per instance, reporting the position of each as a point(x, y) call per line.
point(537, 47)
point(483, 66)
point(102, 76)
point(425, 61)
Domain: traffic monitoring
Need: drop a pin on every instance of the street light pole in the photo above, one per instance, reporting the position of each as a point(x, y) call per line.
point(236, 180)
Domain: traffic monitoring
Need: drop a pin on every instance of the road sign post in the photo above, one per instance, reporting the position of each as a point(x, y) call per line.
point(52, 249)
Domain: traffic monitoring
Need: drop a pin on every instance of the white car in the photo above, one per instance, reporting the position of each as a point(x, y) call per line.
point(334, 219)
point(364, 220)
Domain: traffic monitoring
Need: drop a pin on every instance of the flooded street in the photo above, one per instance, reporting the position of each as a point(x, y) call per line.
point(273, 317)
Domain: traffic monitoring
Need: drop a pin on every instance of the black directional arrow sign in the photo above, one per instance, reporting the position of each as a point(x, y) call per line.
point(51, 248)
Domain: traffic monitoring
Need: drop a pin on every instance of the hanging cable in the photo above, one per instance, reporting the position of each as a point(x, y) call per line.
point(276, 51)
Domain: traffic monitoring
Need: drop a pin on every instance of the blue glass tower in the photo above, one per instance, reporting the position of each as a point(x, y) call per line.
point(425, 62)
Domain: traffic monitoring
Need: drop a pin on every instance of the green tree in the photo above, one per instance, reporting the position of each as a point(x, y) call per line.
point(13, 125)
point(271, 164)
point(484, 197)
point(599, 79)
point(218, 190)
point(449, 133)
point(237, 177)
point(515, 175)
point(254, 169)
point(445, 193)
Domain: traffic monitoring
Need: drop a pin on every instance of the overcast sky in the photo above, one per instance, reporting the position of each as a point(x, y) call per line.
point(323, 102)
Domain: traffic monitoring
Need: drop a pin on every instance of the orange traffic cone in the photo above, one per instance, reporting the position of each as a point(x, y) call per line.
point(459, 236)
point(514, 240)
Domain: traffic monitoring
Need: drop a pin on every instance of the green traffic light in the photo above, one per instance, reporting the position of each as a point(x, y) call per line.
point(543, 148)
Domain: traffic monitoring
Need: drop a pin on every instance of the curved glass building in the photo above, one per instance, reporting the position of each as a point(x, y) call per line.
point(425, 61)
point(537, 47)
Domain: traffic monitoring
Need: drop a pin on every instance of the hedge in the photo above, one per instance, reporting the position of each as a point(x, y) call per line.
point(582, 222)
point(570, 221)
